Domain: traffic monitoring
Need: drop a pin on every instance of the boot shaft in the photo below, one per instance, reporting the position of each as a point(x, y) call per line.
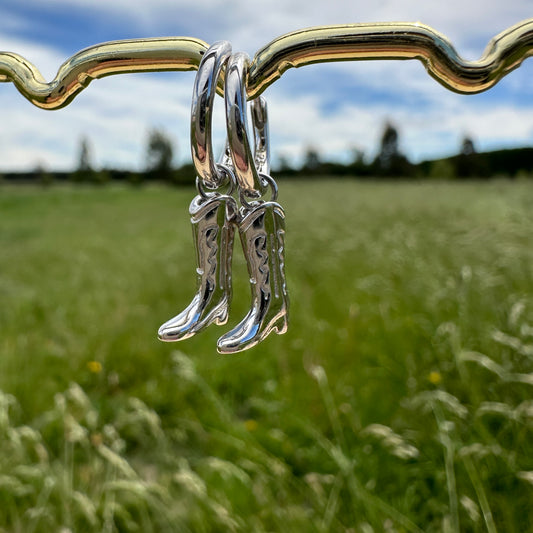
point(262, 233)
point(213, 234)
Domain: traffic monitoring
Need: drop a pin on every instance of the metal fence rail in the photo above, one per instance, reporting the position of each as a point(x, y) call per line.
point(350, 42)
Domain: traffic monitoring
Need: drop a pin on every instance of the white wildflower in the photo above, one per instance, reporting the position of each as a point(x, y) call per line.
point(485, 361)
point(426, 399)
point(184, 366)
point(497, 408)
point(117, 461)
point(74, 432)
point(190, 480)
point(318, 373)
point(471, 508)
point(86, 507)
point(79, 400)
point(479, 450)
point(526, 476)
point(227, 470)
point(513, 342)
point(393, 442)
point(516, 312)
point(525, 410)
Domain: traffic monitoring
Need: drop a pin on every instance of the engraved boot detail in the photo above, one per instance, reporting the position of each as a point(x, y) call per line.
point(213, 232)
point(262, 232)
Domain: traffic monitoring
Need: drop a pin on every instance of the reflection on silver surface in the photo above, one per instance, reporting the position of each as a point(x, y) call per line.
point(262, 233)
point(213, 231)
point(236, 126)
point(203, 100)
point(214, 215)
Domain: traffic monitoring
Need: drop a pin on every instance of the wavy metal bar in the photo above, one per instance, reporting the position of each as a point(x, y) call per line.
point(351, 42)
point(398, 40)
point(136, 55)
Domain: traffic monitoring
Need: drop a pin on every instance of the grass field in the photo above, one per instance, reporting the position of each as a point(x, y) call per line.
point(399, 400)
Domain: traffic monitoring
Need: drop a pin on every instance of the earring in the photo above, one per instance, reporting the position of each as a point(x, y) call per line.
point(212, 212)
point(261, 223)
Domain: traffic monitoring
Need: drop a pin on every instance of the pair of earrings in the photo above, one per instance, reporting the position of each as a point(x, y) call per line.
point(239, 178)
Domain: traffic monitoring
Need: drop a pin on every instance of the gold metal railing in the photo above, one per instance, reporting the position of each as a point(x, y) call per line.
point(351, 42)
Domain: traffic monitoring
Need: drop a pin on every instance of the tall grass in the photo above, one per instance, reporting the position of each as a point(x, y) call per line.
point(399, 400)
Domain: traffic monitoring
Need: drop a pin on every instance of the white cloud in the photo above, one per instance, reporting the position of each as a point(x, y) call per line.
point(425, 132)
point(252, 23)
point(115, 113)
point(46, 58)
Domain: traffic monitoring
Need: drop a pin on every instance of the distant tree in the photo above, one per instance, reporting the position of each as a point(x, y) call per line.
point(284, 166)
point(389, 146)
point(159, 154)
point(311, 160)
point(184, 175)
point(358, 156)
point(84, 170)
point(84, 159)
point(390, 161)
point(357, 166)
point(42, 176)
point(470, 163)
point(467, 146)
point(102, 177)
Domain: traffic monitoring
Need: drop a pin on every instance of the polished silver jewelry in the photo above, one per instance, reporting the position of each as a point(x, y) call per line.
point(261, 223)
point(212, 211)
point(215, 216)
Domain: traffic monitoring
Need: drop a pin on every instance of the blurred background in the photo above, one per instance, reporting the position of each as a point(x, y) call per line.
point(399, 399)
point(334, 109)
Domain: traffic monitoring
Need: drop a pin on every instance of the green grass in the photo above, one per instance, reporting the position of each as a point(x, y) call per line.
point(399, 400)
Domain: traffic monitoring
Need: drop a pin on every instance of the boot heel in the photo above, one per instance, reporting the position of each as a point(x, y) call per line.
point(220, 317)
point(281, 325)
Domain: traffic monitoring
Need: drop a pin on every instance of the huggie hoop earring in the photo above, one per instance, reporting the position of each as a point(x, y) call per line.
point(236, 122)
point(261, 222)
point(202, 111)
point(212, 212)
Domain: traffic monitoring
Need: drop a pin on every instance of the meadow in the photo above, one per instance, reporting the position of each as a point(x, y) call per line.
point(400, 399)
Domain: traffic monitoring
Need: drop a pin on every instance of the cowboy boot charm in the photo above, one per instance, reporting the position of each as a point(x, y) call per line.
point(262, 233)
point(212, 213)
point(261, 223)
point(213, 231)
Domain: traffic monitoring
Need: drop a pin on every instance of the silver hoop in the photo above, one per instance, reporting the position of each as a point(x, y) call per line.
point(236, 123)
point(261, 135)
point(203, 99)
point(227, 177)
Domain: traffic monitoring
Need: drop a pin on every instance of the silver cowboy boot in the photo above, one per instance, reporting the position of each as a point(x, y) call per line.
point(212, 219)
point(261, 224)
point(212, 213)
point(262, 232)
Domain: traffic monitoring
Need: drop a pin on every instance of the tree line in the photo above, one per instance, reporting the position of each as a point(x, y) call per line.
point(389, 163)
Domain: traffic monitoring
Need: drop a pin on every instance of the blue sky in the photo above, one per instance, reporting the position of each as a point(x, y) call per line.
point(333, 108)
